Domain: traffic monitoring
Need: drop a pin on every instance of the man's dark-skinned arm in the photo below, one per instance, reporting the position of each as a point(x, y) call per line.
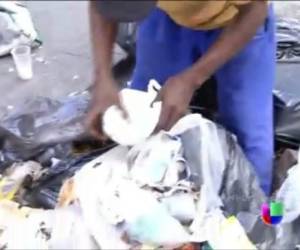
point(178, 90)
point(105, 90)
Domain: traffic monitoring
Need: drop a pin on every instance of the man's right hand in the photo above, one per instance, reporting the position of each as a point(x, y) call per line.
point(105, 94)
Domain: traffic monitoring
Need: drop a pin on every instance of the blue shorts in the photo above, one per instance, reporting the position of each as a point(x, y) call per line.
point(245, 83)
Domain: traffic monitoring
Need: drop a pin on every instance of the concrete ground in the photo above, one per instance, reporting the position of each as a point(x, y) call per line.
point(63, 64)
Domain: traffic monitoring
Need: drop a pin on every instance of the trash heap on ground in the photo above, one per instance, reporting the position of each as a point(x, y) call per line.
point(128, 198)
point(190, 185)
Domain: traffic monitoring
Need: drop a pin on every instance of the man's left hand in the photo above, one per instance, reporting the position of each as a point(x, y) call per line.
point(176, 95)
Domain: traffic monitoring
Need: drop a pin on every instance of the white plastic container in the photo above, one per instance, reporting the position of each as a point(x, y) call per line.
point(23, 62)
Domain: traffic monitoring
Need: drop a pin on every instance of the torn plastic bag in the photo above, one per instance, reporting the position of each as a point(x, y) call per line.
point(16, 27)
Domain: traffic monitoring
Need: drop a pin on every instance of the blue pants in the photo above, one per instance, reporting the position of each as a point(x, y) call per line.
point(245, 82)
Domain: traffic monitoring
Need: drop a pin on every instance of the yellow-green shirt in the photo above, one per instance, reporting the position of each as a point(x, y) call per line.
point(202, 14)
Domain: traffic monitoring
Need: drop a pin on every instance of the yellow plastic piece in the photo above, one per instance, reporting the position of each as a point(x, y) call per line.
point(8, 189)
point(232, 234)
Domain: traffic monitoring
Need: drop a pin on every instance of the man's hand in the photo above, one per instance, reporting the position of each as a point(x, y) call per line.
point(105, 91)
point(105, 95)
point(176, 95)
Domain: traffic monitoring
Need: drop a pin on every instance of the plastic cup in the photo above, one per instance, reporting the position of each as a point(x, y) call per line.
point(23, 62)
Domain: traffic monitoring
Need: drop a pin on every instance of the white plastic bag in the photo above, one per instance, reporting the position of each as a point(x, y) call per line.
point(289, 194)
point(142, 116)
point(211, 156)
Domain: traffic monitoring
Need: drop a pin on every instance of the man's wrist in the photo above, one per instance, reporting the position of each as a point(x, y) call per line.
point(197, 77)
point(102, 77)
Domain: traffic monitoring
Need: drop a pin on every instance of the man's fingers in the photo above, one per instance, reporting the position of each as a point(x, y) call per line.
point(175, 116)
point(175, 113)
point(94, 133)
point(94, 126)
point(163, 118)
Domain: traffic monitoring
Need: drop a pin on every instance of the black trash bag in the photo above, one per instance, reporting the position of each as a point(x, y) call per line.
point(44, 192)
point(287, 122)
point(30, 130)
point(288, 40)
point(286, 97)
point(235, 182)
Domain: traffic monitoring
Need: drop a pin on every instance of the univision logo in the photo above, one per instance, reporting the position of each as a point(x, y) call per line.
point(271, 214)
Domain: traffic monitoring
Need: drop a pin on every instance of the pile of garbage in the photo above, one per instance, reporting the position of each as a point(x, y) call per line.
point(190, 185)
point(129, 198)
